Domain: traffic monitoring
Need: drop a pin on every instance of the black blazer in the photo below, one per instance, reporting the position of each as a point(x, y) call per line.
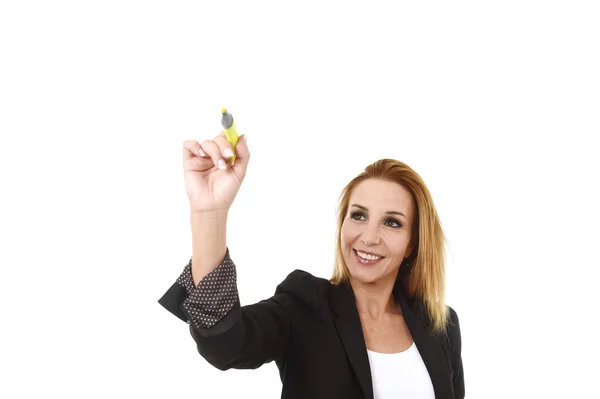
point(312, 330)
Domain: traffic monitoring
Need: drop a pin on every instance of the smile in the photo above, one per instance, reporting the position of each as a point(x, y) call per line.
point(366, 258)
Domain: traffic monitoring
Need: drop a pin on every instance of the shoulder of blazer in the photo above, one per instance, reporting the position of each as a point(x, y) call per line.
point(453, 330)
point(305, 289)
point(453, 322)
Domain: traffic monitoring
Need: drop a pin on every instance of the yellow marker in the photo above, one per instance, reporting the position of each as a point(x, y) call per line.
point(230, 130)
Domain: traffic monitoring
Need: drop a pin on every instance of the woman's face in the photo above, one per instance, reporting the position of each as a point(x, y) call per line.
point(377, 226)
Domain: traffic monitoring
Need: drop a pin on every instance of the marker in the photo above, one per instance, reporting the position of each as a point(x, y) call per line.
point(230, 130)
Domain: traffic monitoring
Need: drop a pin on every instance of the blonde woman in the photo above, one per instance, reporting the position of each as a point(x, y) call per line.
point(379, 328)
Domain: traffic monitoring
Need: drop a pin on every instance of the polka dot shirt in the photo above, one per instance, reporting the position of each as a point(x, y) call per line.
point(215, 295)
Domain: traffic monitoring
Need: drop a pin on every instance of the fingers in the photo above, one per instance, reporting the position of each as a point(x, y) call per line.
point(219, 150)
point(191, 148)
point(213, 151)
point(241, 148)
point(224, 146)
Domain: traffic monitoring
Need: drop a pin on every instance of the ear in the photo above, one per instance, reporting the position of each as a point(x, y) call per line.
point(409, 250)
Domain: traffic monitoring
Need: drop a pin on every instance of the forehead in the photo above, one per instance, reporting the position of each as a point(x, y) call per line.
point(381, 195)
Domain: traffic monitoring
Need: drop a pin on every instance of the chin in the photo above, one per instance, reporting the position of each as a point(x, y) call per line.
point(364, 274)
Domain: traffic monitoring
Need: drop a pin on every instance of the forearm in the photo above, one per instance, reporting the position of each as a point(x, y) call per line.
point(208, 242)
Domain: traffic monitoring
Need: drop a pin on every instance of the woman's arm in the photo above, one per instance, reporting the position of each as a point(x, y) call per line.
point(228, 335)
point(208, 242)
point(206, 297)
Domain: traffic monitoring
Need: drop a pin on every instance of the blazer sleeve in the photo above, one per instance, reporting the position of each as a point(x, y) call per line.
point(245, 337)
point(203, 305)
point(458, 379)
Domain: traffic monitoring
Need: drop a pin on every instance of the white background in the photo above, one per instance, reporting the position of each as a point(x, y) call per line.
point(495, 104)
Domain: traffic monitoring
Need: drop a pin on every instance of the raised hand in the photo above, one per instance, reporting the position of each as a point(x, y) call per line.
point(211, 182)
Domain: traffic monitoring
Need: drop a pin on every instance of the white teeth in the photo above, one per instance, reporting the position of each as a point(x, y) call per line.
point(367, 256)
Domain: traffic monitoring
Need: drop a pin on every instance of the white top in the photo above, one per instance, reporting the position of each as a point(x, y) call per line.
point(400, 375)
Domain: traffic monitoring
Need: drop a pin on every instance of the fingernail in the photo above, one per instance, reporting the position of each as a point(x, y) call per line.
point(202, 153)
point(228, 153)
point(222, 164)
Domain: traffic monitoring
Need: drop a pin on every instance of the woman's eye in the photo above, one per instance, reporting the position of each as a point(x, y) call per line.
point(393, 223)
point(357, 215)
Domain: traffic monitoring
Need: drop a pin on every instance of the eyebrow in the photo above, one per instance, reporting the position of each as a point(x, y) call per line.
point(387, 213)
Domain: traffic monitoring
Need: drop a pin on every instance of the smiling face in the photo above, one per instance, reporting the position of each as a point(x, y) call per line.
point(376, 232)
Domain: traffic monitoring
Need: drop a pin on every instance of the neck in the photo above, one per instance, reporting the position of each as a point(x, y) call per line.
point(375, 300)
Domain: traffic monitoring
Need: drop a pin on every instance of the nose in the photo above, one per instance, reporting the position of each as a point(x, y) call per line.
point(370, 235)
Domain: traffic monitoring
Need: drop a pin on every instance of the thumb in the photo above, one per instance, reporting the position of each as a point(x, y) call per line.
point(242, 156)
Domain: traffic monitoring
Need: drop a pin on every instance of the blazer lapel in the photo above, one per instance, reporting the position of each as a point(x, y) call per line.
point(430, 350)
point(349, 328)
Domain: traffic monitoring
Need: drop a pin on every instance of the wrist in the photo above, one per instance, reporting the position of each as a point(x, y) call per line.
point(212, 214)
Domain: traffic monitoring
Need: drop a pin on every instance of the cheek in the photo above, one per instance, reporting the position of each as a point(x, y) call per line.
point(348, 234)
point(402, 243)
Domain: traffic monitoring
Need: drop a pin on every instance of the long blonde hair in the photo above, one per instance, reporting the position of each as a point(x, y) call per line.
point(424, 278)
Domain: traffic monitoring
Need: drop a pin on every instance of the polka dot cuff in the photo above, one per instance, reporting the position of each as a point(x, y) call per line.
point(215, 295)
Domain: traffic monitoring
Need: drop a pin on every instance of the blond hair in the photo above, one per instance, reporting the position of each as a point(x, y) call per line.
point(424, 277)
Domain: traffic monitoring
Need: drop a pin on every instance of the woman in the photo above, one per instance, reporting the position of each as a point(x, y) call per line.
point(378, 329)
